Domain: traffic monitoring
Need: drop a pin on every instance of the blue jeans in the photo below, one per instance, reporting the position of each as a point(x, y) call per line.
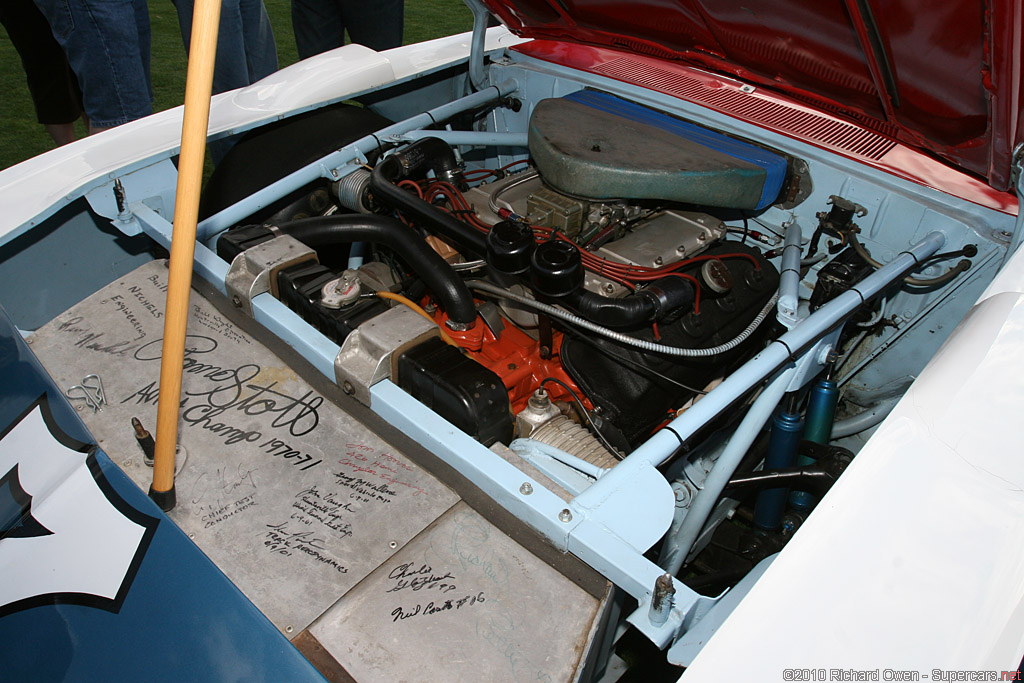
point(320, 25)
point(246, 51)
point(107, 45)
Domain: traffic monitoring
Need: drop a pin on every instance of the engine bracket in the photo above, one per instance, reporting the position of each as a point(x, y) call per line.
point(365, 356)
point(254, 271)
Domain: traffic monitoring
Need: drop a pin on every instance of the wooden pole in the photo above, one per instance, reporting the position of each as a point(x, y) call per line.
point(202, 52)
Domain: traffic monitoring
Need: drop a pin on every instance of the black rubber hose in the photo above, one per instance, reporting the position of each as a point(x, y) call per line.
point(382, 184)
point(435, 272)
point(432, 153)
point(652, 303)
point(817, 481)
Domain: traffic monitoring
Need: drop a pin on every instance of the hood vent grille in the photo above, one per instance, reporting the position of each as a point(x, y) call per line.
point(786, 119)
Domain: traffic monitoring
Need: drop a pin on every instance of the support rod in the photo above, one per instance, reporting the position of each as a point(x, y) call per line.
point(469, 138)
point(205, 23)
point(721, 473)
point(477, 73)
point(322, 168)
point(786, 348)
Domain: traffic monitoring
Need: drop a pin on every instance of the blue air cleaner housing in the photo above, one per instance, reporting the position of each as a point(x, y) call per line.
point(595, 145)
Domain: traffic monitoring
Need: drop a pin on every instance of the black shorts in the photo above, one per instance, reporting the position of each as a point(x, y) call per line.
point(51, 82)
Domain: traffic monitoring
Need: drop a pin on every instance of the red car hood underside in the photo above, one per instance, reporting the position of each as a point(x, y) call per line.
point(943, 77)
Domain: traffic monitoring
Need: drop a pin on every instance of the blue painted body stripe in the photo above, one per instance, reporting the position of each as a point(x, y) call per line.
point(772, 164)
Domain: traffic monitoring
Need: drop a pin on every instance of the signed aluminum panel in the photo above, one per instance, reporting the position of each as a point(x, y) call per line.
point(290, 496)
point(461, 602)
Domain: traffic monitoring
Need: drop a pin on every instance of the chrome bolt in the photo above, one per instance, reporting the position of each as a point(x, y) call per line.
point(565, 515)
point(609, 288)
point(526, 489)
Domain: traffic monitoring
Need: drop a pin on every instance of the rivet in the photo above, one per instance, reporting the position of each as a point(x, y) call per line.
point(526, 489)
point(236, 301)
point(565, 515)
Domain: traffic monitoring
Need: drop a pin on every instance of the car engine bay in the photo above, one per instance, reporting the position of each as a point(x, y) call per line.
point(594, 290)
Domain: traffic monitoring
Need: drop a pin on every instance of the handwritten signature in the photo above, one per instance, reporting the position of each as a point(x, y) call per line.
point(231, 391)
point(311, 506)
point(280, 541)
point(222, 481)
point(91, 341)
point(432, 607)
point(416, 579)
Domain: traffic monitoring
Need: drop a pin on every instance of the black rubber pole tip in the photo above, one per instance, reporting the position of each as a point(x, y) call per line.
point(165, 499)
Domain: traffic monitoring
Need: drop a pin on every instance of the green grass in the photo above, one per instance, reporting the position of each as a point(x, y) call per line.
point(21, 137)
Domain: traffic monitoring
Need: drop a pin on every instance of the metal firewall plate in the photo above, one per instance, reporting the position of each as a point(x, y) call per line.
point(365, 357)
point(254, 271)
point(461, 602)
point(290, 495)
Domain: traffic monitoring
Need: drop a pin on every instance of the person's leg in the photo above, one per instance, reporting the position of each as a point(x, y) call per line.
point(145, 42)
point(62, 133)
point(52, 85)
point(377, 25)
point(104, 48)
point(318, 26)
point(246, 50)
point(258, 37)
point(230, 70)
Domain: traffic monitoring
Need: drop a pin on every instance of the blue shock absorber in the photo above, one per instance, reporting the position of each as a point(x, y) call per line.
point(821, 414)
point(787, 428)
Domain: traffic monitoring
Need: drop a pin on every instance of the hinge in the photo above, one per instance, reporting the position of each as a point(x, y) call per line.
point(1017, 165)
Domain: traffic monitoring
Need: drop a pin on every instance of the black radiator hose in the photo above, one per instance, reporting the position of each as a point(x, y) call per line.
point(556, 271)
point(438, 155)
point(432, 153)
point(435, 272)
point(647, 305)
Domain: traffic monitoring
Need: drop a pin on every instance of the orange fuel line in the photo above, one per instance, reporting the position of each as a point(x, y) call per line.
point(203, 49)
